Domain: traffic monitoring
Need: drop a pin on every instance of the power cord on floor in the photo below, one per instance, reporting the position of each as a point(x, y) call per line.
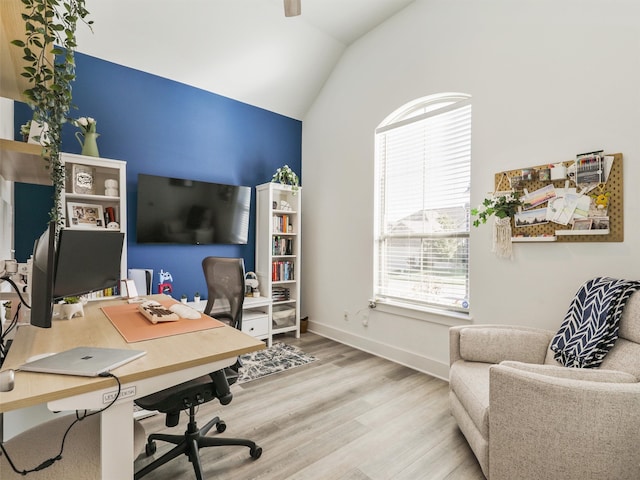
point(47, 463)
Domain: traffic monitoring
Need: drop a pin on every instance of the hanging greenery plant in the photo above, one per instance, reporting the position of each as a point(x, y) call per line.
point(48, 52)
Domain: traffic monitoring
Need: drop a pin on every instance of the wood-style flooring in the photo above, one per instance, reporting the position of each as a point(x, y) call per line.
point(348, 416)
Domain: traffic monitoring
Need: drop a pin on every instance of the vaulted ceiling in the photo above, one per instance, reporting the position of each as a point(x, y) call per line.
point(243, 49)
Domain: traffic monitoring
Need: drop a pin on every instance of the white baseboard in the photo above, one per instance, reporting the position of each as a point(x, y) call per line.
point(421, 363)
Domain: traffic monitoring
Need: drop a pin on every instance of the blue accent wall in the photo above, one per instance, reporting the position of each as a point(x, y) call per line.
point(32, 205)
point(162, 127)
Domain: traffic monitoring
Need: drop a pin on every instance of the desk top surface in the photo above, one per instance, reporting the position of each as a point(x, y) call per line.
point(164, 355)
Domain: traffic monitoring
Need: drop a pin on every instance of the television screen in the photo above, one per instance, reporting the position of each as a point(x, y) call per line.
point(87, 261)
point(179, 211)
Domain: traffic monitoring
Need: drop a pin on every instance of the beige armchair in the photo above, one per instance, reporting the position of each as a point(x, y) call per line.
point(527, 417)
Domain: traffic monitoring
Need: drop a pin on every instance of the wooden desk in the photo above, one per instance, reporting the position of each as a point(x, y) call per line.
point(169, 361)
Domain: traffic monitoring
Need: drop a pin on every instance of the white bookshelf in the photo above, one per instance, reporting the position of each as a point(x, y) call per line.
point(102, 170)
point(278, 253)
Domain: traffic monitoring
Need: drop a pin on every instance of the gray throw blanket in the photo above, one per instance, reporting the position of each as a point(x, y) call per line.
point(590, 327)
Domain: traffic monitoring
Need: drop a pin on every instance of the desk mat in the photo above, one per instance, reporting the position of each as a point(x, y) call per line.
point(134, 327)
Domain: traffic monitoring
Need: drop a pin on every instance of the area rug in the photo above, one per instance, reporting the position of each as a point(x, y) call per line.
point(277, 358)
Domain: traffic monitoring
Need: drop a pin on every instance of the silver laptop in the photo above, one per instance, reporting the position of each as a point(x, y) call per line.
point(83, 361)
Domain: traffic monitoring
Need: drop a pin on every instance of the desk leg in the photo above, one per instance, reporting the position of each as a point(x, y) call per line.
point(116, 441)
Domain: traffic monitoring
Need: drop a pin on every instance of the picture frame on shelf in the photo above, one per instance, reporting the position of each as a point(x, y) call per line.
point(85, 215)
point(83, 179)
point(582, 224)
point(600, 223)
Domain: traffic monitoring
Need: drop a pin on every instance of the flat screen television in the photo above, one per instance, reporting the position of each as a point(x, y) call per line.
point(181, 211)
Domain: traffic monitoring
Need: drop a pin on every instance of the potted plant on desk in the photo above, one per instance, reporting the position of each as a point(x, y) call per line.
point(71, 307)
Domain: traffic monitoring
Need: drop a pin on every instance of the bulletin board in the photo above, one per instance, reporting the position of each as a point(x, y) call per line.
point(561, 233)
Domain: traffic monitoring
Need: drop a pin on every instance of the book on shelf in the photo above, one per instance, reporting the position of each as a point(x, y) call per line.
point(106, 293)
point(282, 246)
point(282, 271)
point(282, 224)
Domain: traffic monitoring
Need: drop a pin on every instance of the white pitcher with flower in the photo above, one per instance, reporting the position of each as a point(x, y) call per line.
point(87, 127)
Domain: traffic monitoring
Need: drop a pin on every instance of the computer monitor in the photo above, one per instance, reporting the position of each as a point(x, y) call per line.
point(84, 261)
point(42, 278)
point(87, 261)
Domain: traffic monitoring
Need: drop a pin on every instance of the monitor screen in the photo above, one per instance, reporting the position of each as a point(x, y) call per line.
point(87, 261)
point(175, 211)
point(42, 275)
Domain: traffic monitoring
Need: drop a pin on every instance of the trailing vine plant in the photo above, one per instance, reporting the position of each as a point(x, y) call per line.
point(48, 52)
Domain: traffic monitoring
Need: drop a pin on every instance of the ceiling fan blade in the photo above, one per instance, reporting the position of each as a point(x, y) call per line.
point(292, 8)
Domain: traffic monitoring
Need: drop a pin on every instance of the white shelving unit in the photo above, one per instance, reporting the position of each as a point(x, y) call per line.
point(256, 316)
point(278, 253)
point(101, 170)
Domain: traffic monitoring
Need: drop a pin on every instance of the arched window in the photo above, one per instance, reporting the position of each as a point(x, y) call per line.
point(423, 161)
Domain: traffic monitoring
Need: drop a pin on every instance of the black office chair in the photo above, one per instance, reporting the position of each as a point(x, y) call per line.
point(225, 288)
point(225, 281)
point(225, 295)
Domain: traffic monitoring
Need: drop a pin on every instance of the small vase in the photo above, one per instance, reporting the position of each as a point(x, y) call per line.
point(90, 145)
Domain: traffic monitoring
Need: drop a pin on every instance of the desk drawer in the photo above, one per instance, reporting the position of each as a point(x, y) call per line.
point(255, 324)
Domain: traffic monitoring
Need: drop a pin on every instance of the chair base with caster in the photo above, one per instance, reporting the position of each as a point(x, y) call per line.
point(189, 444)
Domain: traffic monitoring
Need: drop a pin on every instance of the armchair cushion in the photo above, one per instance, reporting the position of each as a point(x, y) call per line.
point(590, 374)
point(494, 344)
point(624, 357)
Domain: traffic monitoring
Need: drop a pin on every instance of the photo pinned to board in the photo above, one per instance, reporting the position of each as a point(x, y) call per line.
point(566, 205)
point(538, 197)
point(529, 218)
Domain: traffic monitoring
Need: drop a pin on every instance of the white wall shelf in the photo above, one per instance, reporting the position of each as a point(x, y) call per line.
point(533, 239)
point(583, 232)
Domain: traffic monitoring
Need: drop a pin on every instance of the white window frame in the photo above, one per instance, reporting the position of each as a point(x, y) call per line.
point(424, 287)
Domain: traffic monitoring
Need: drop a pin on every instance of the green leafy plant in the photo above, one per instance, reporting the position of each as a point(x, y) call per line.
point(71, 300)
point(502, 206)
point(286, 176)
point(48, 52)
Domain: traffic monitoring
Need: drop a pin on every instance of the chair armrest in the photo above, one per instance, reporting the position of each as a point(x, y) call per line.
point(541, 426)
point(496, 343)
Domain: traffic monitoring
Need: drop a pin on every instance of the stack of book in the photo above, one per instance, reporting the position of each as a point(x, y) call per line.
point(280, 294)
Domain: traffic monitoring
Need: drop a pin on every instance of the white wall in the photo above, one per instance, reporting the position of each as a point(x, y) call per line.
point(549, 79)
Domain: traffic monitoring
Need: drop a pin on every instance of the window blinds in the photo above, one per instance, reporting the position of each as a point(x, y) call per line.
point(422, 207)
